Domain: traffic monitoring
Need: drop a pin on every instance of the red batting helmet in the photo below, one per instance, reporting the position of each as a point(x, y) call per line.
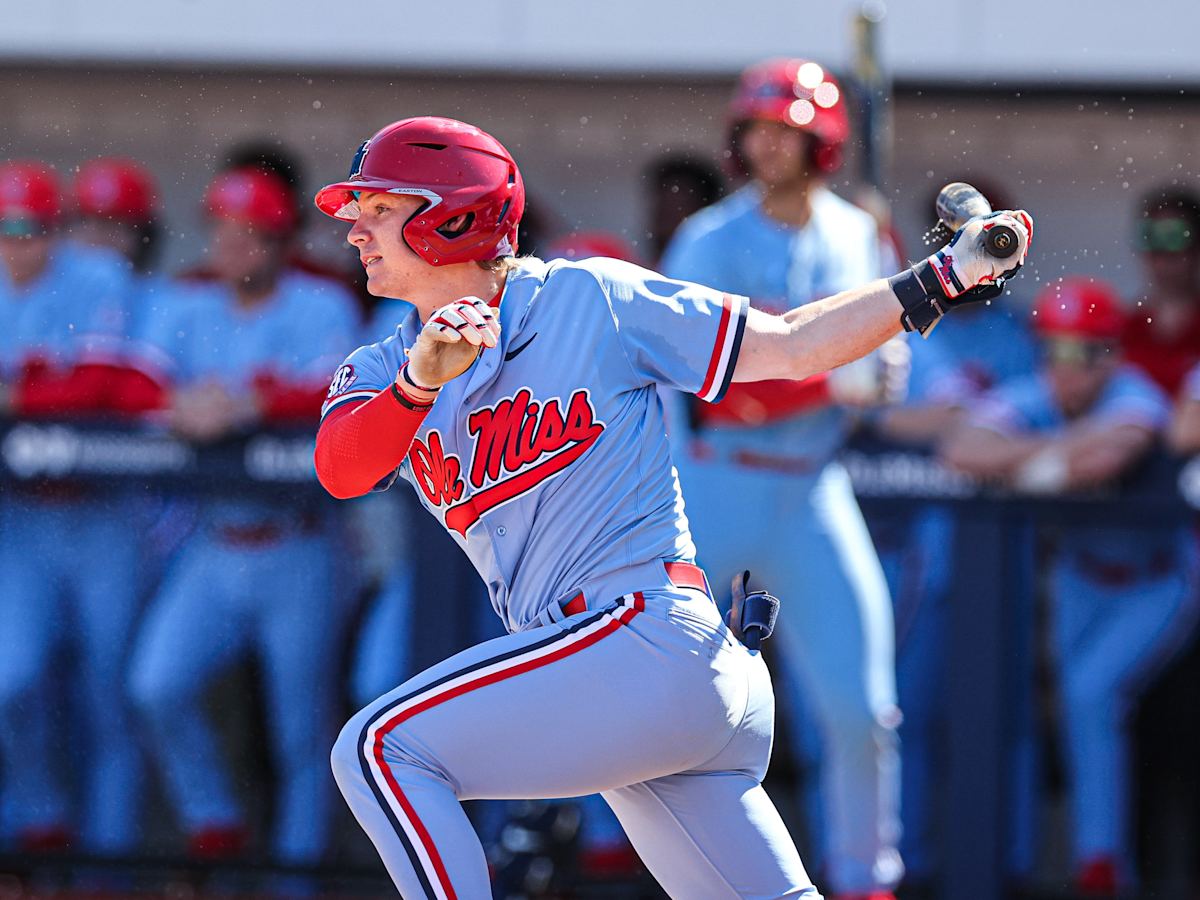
point(796, 92)
point(253, 196)
point(117, 189)
point(1079, 308)
point(29, 192)
point(459, 170)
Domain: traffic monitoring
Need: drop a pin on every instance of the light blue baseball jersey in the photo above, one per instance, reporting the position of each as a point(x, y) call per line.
point(300, 331)
point(548, 459)
point(200, 335)
point(734, 246)
point(1027, 405)
point(76, 309)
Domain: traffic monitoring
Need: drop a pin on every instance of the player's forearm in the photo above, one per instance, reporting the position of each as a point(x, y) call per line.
point(1105, 456)
point(988, 454)
point(360, 446)
point(818, 336)
point(1184, 433)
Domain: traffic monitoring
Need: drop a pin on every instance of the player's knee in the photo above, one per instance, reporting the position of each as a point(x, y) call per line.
point(155, 692)
point(344, 757)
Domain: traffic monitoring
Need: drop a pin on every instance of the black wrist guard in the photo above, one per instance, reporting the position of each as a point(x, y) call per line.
point(921, 295)
point(924, 300)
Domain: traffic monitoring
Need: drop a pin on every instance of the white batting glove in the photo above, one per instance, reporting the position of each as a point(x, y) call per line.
point(453, 336)
point(965, 264)
point(961, 272)
point(876, 379)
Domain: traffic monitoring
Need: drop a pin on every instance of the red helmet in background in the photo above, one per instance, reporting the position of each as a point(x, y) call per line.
point(254, 197)
point(799, 93)
point(586, 244)
point(29, 191)
point(1079, 308)
point(117, 189)
point(459, 170)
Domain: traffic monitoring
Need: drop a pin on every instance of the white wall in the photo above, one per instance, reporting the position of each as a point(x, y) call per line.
point(927, 40)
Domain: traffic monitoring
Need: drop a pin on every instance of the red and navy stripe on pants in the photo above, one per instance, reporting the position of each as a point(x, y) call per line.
point(411, 831)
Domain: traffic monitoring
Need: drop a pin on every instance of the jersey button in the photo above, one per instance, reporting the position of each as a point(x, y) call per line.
point(502, 531)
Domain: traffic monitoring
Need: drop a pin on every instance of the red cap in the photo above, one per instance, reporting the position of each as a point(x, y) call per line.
point(252, 196)
point(117, 189)
point(461, 172)
point(1080, 308)
point(29, 191)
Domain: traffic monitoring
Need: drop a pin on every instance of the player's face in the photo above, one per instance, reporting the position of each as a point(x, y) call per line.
point(25, 256)
point(393, 269)
point(1171, 254)
point(101, 232)
point(776, 154)
point(241, 254)
point(1078, 370)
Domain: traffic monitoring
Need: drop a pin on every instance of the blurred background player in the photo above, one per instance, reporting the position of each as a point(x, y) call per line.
point(1122, 596)
point(116, 206)
point(251, 347)
point(1162, 336)
point(763, 490)
point(67, 572)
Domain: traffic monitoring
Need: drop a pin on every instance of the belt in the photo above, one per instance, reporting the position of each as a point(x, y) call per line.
point(681, 574)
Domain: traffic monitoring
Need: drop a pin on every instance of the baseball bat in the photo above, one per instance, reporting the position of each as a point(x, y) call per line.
point(958, 202)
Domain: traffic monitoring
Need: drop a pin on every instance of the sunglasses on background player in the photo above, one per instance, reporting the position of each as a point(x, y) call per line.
point(1166, 235)
point(1083, 352)
point(20, 228)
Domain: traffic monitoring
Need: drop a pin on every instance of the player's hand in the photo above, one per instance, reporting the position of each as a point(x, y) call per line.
point(876, 379)
point(452, 338)
point(207, 412)
point(964, 268)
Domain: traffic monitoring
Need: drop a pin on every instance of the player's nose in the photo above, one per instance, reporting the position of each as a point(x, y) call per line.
point(358, 233)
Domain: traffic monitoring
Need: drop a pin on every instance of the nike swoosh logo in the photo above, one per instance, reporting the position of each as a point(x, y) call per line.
point(511, 354)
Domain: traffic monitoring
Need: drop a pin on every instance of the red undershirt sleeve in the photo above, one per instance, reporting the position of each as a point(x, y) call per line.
point(360, 444)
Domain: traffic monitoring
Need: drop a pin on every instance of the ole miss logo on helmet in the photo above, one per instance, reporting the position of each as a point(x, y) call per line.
point(519, 444)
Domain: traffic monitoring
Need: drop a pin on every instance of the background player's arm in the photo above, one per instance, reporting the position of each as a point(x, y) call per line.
point(1079, 458)
point(1184, 433)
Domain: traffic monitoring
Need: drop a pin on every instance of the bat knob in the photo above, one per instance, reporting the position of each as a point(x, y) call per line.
point(1001, 242)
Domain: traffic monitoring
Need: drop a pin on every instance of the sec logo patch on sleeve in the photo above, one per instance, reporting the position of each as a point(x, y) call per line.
point(342, 379)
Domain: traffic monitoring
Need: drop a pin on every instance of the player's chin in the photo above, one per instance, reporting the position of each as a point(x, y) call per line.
point(378, 285)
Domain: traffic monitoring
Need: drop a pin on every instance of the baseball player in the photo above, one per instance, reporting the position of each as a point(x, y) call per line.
point(1163, 339)
point(1123, 596)
point(67, 575)
point(519, 399)
point(251, 348)
point(763, 489)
